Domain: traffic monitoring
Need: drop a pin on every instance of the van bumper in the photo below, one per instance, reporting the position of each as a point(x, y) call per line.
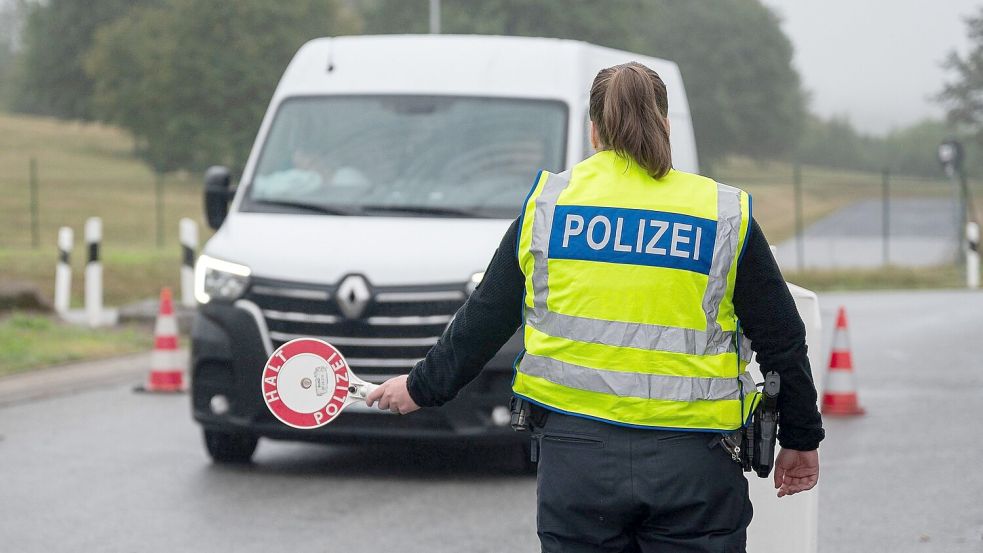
point(227, 358)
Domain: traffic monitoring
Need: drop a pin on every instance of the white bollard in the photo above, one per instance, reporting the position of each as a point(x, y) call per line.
point(63, 271)
point(93, 272)
point(789, 524)
point(972, 255)
point(188, 234)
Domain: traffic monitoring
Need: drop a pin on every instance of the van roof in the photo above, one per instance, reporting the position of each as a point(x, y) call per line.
point(466, 65)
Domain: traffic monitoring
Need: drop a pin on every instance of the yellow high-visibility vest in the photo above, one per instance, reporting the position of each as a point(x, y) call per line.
point(629, 312)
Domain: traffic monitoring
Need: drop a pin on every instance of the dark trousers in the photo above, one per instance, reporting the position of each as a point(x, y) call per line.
point(603, 487)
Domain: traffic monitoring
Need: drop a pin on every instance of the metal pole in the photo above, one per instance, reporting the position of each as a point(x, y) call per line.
point(435, 17)
point(159, 186)
point(886, 214)
point(799, 238)
point(956, 216)
point(35, 216)
point(971, 212)
point(964, 198)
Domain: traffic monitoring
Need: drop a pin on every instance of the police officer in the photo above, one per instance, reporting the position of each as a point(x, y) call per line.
point(638, 288)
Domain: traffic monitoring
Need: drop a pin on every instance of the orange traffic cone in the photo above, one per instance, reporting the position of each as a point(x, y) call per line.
point(840, 397)
point(166, 374)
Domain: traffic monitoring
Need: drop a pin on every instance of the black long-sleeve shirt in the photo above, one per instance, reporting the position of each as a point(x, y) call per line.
point(761, 300)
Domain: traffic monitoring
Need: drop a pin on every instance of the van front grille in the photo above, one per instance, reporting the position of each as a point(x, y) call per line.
point(396, 329)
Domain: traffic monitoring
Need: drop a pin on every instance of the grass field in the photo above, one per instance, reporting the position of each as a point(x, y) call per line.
point(890, 278)
point(88, 169)
point(29, 341)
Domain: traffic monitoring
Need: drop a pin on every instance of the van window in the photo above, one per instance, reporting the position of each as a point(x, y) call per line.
point(399, 155)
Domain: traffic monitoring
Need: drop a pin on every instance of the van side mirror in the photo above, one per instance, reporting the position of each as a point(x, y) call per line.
point(218, 193)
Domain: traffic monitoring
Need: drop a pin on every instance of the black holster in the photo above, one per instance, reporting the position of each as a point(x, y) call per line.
point(762, 433)
point(753, 446)
point(528, 417)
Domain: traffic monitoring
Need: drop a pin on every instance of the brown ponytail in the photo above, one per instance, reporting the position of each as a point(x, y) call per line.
point(629, 105)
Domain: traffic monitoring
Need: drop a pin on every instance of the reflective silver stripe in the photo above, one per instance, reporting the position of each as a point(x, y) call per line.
point(746, 351)
point(632, 335)
point(724, 251)
point(542, 226)
point(640, 385)
point(713, 341)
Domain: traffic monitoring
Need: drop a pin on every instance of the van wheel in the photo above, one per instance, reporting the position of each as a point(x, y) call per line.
point(230, 448)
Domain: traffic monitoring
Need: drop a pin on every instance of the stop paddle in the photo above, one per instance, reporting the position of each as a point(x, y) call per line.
point(307, 383)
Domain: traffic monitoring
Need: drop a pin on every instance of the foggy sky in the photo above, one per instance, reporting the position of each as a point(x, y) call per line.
point(875, 61)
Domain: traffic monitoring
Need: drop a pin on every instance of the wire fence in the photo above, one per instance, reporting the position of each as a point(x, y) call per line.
point(140, 210)
point(823, 219)
point(817, 218)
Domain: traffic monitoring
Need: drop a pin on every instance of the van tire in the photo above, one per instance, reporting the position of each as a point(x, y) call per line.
point(225, 448)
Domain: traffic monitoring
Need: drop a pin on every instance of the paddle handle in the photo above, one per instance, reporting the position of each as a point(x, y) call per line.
point(361, 390)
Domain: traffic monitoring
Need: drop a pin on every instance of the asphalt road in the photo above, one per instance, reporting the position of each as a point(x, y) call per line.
point(921, 231)
point(105, 469)
point(907, 476)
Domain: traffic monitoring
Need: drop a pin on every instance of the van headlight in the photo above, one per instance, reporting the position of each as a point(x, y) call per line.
point(221, 280)
point(474, 282)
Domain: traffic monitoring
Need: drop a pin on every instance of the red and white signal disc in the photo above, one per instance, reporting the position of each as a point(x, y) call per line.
point(306, 383)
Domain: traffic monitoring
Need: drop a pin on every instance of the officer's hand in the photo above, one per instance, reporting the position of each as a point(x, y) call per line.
point(392, 395)
point(796, 471)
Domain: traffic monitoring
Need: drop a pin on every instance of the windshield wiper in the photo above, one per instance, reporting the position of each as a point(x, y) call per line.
point(328, 210)
point(419, 209)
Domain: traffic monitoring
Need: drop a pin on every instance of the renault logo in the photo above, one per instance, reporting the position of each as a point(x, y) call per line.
point(353, 296)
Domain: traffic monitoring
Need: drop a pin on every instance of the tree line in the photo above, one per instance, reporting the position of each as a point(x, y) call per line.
point(834, 142)
point(190, 79)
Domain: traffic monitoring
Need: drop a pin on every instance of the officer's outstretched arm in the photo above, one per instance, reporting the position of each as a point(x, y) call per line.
point(486, 321)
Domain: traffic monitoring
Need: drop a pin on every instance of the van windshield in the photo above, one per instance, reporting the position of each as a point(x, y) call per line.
point(406, 155)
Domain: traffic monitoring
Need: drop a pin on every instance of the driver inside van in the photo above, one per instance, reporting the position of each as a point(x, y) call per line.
point(313, 173)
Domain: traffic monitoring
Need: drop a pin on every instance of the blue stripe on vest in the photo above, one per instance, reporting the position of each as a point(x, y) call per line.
point(633, 237)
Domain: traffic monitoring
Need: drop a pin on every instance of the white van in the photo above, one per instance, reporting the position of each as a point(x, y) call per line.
point(383, 177)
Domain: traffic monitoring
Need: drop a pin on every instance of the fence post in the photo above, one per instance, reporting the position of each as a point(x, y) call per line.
point(886, 214)
point(35, 216)
point(957, 207)
point(159, 207)
point(799, 237)
point(964, 199)
point(972, 255)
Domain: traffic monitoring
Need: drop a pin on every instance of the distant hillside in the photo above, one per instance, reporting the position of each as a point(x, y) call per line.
point(88, 170)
